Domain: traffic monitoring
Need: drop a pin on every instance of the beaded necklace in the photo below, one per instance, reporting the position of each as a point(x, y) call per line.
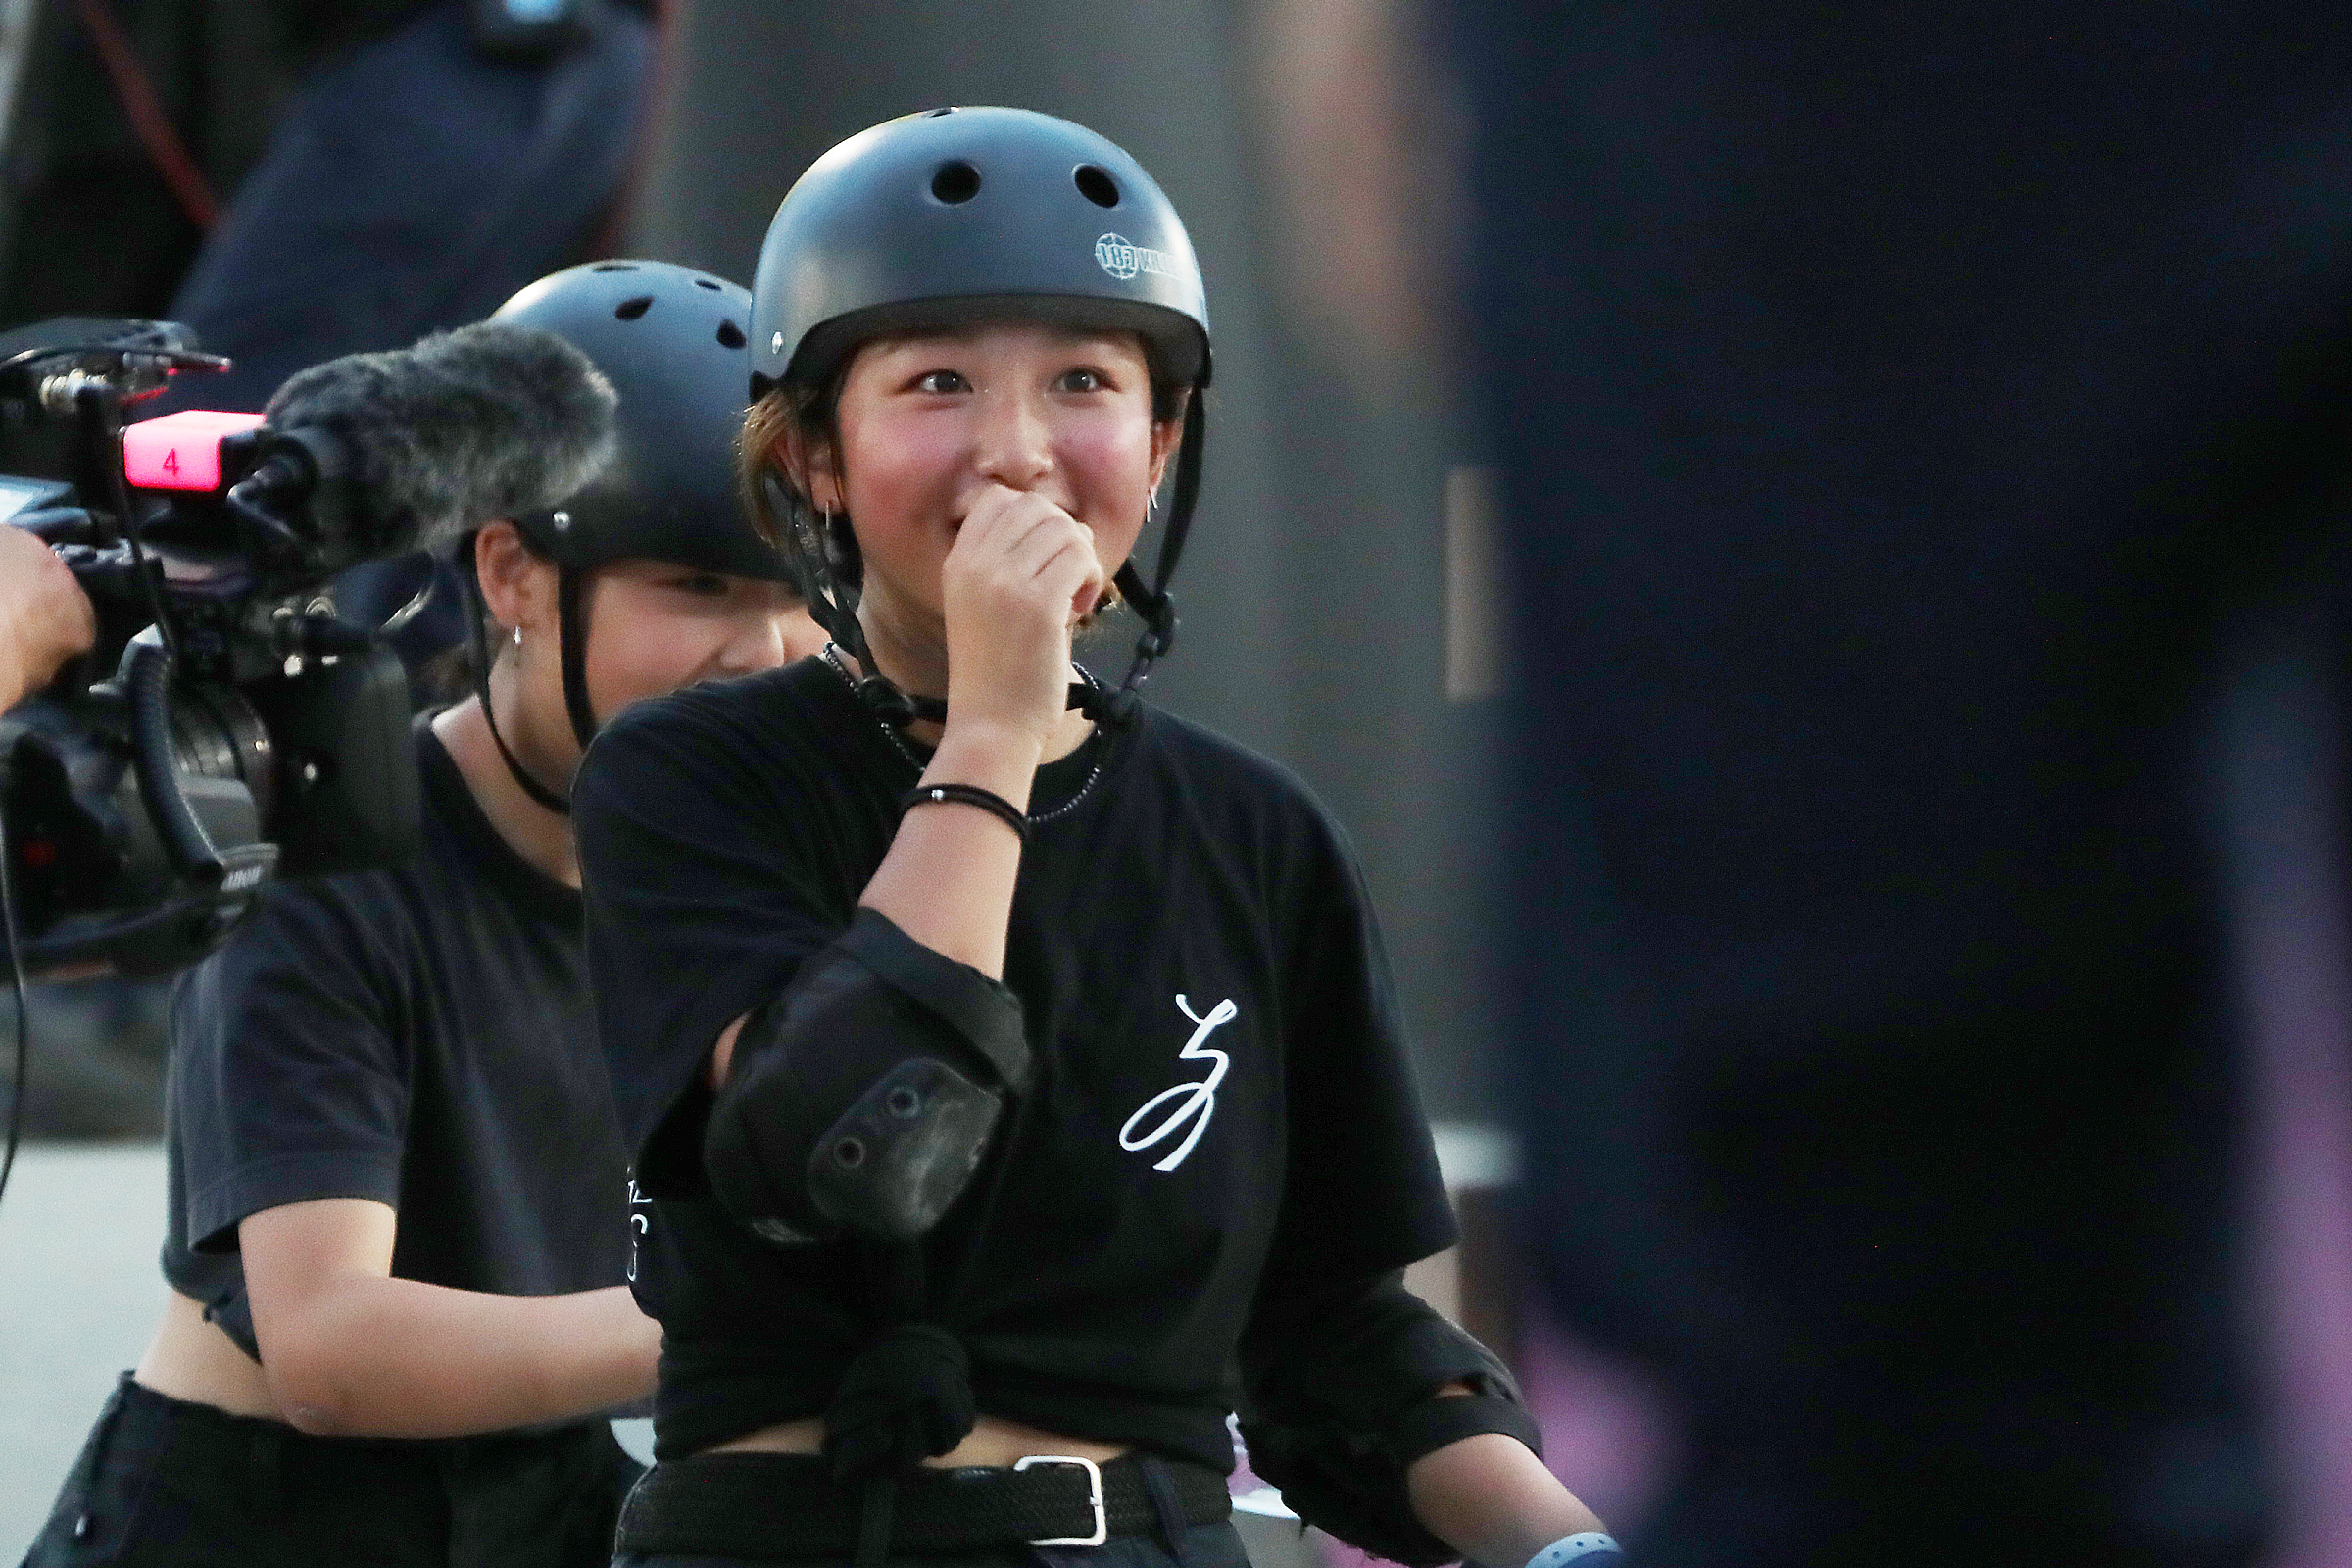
point(899, 744)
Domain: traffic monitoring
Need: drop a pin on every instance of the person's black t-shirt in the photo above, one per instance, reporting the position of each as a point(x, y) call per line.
point(422, 1037)
point(1221, 1120)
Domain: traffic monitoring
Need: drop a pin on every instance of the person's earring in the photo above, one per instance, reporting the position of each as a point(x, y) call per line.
point(519, 636)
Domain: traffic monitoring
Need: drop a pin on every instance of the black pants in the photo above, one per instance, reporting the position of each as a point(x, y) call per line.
point(164, 1482)
point(1216, 1546)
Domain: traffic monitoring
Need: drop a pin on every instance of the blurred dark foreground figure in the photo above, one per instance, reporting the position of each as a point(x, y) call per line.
point(1926, 431)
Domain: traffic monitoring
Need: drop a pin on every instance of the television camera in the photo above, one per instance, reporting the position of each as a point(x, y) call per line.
point(228, 727)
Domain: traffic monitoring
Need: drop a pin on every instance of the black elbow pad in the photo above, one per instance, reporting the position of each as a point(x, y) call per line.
point(1349, 1416)
point(862, 1098)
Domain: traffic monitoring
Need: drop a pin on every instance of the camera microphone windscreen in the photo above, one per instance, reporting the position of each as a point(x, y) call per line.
point(490, 420)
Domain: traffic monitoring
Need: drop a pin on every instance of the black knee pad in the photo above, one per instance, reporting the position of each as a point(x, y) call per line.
point(860, 1099)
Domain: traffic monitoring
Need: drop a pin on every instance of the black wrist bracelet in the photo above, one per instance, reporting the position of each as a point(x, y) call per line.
point(994, 805)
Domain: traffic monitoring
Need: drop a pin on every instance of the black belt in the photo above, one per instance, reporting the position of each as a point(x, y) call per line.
point(785, 1505)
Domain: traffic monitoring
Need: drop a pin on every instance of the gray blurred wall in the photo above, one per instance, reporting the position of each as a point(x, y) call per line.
point(1314, 592)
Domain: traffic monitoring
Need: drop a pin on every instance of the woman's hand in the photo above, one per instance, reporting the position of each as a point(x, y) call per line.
point(1018, 577)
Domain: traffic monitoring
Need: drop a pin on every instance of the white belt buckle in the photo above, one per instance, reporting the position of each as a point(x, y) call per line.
point(1094, 1483)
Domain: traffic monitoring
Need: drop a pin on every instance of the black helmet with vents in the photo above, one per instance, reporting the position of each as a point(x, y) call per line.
point(956, 214)
point(671, 340)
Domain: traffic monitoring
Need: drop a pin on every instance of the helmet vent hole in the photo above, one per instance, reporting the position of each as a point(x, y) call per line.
point(955, 182)
point(934, 114)
point(613, 266)
point(730, 336)
point(630, 309)
point(1096, 185)
point(704, 283)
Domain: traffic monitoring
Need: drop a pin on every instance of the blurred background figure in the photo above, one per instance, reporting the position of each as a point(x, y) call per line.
point(1924, 438)
point(299, 180)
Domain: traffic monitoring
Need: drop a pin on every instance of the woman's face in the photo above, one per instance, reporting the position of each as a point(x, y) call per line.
point(927, 422)
point(654, 627)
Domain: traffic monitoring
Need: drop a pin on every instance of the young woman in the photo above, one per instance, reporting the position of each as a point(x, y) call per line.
point(1013, 1067)
point(398, 1232)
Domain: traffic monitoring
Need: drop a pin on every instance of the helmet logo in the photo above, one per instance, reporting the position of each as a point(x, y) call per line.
point(1123, 260)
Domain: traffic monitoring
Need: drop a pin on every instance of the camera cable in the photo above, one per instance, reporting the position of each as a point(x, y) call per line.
point(95, 404)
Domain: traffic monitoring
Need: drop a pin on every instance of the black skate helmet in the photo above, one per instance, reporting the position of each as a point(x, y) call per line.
point(671, 340)
point(963, 214)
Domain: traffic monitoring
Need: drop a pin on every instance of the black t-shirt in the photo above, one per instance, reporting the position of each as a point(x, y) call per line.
point(422, 1037)
point(1221, 1117)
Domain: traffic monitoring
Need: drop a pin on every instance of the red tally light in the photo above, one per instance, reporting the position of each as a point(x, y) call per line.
point(39, 855)
point(181, 451)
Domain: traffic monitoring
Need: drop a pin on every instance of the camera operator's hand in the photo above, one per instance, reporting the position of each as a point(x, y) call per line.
point(45, 619)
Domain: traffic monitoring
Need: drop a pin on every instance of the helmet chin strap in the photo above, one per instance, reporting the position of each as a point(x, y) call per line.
point(1152, 601)
point(833, 601)
point(833, 605)
point(478, 612)
point(571, 638)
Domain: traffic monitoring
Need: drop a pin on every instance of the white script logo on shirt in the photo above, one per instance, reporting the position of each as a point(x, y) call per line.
point(1194, 1102)
point(638, 1224)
